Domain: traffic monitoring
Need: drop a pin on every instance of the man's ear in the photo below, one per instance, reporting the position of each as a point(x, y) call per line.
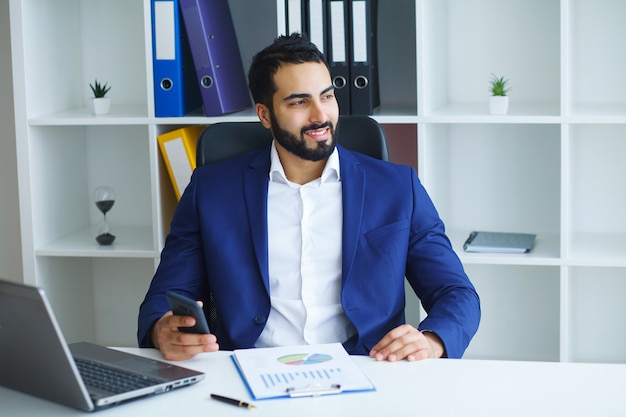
point(264, 115)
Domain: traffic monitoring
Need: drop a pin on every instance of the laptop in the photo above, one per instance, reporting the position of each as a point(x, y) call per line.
point(35, 359)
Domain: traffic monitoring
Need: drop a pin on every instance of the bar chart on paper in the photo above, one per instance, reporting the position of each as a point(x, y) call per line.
point(304, 375)
point(277, 372)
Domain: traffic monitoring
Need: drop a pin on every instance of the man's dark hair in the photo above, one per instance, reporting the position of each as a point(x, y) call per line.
point(286, 49)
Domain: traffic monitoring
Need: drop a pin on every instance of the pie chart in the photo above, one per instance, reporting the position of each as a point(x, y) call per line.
point(305, 359)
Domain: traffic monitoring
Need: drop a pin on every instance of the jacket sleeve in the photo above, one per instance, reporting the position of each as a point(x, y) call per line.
point(438, 278)
point(181, 267)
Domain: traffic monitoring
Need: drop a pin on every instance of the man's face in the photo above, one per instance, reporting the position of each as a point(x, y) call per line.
point(305, 113)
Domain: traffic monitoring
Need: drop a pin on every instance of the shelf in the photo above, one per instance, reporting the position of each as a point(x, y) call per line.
point(598, 113)
point(479, 114)
point(198, 118)
point(130, 242)
point(82, 116)
point(395, 114)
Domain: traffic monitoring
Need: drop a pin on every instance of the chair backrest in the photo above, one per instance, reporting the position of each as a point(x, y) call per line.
point(221, 141)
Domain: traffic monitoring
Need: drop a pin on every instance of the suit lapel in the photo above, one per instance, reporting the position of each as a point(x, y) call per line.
point(255, 189)
point(353, 194)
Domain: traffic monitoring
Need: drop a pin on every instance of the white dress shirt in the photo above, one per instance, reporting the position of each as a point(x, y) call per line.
point(304, 237)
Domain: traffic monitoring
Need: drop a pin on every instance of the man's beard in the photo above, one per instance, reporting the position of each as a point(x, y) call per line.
point(298, 146)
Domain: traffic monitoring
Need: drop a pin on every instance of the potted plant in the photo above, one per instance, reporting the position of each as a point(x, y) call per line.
point(498, 101)
point(100, 103)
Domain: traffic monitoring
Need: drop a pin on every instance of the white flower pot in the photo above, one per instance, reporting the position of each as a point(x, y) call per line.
point(498, 104)
point(101, 105)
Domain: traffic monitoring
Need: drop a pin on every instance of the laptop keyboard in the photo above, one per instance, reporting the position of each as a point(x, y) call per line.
point(110, 379)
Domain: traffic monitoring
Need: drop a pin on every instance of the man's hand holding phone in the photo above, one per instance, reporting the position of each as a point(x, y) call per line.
point(183, 332)
point(183, 306)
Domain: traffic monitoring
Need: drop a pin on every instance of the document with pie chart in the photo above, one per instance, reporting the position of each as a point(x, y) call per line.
point(308, 370)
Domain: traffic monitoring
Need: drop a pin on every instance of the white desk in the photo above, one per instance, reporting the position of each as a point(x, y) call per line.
point(431, 388)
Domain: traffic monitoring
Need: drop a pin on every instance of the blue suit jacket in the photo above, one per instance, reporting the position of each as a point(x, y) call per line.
point(218, 244)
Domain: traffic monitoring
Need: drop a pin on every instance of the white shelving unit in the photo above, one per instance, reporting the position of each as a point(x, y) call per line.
point(548, 167)
point(552, 166)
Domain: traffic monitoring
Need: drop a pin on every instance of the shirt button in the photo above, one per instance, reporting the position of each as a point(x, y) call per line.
point(259, 320)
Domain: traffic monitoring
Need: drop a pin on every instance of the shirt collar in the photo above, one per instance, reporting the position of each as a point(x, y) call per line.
point(331, 172)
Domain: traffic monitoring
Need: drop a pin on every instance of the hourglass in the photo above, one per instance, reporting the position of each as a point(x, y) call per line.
point(104, 197)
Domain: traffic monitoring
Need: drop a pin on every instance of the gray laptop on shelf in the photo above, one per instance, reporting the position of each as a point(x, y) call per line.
point(35, 359)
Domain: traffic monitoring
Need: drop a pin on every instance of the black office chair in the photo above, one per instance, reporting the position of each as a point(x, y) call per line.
point(226, 140)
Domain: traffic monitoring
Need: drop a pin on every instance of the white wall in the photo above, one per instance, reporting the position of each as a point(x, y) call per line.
point(10, 244)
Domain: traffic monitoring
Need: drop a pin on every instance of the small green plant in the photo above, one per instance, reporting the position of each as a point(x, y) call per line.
point(99, 90)
point(499, 86)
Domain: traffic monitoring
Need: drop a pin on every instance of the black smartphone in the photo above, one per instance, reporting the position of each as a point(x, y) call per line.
point(183, 306)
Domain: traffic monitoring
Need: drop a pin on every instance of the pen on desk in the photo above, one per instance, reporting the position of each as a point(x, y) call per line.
point(232, 401)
